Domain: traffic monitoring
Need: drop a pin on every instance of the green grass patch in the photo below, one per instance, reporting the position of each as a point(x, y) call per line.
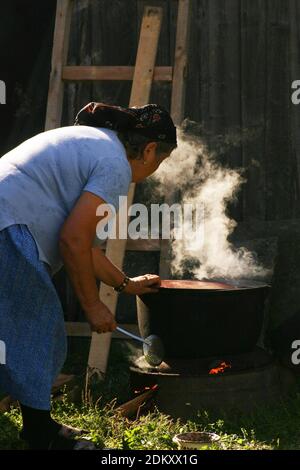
point(274, 427)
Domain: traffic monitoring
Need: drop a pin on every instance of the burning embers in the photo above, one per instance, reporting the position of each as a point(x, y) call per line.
point(220, 369)
point(153, 388)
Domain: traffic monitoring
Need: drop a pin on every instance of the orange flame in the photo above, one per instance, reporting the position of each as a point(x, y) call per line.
point(220, 369)
point(145, 389)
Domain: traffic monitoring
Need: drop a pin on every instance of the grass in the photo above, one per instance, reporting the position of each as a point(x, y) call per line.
point(276, 427)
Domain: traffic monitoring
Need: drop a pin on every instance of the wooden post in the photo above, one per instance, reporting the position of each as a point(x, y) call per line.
point(146, 56)
point(115, 250)
point(59, 57)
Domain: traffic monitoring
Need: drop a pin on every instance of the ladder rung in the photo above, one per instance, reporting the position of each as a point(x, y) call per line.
point(117, 72)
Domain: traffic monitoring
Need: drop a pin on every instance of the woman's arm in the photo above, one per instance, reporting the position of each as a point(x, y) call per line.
point(107, 272)
point(84, 265)
point(75, 243)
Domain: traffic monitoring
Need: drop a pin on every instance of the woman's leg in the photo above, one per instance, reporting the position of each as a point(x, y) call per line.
point(32, 327)
point(42, 432)
point(31, 321)
point(39, 429)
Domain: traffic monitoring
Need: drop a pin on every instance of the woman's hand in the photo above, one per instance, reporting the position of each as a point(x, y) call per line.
point(146, 284)
point(100, 318)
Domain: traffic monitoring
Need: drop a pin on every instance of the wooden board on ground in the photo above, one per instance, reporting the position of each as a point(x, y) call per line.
point(133, 407)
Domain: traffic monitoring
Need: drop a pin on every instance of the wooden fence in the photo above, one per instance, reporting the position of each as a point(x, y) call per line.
point(243, 57)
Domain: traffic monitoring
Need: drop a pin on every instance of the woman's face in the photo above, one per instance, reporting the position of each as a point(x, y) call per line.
point(148, 164)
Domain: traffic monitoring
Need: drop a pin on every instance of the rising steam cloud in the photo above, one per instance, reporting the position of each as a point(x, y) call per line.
point(203, 181)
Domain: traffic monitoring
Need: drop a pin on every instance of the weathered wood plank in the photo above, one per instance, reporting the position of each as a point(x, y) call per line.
point(180, 62)
point(264, 228)
point(59, 56)
point(224, 76)
point(106, 72)
point(280, 171)
point(253, 98)
point(231, 44)
point(216, 68)
point(146, 56)
point(161, 91)
point(177, 105)
point(294, 19)
point(97, 27)
point(196, 106)
point(115, 33)
point(133, 407)
point(163, 57)
point(225, 86)
point(81, 51)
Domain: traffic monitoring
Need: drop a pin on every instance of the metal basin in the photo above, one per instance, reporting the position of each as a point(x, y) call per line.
point(197, 319)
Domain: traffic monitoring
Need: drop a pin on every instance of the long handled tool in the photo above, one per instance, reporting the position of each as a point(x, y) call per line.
point(152, 347)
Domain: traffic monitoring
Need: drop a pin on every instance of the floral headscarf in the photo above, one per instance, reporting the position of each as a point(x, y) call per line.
point(151, 121)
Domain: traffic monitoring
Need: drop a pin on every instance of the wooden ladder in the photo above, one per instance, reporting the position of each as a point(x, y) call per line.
point(142, 76)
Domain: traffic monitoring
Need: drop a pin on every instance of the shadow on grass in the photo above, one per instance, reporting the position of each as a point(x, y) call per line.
point(277, 425)
point(116, 385)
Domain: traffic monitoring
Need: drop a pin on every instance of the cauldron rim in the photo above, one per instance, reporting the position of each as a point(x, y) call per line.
point(231, 285)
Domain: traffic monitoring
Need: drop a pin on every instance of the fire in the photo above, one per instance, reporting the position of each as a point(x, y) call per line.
point(220, 369)
point(146, 389)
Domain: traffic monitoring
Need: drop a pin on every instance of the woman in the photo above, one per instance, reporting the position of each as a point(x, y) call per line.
point(50, 189)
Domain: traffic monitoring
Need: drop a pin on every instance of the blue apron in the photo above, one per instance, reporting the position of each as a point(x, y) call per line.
point(31, 321)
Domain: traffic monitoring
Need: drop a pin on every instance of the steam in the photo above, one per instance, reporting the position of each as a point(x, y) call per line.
point(202, 181)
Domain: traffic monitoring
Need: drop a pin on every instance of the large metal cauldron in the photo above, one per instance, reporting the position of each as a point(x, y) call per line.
point(198, 319)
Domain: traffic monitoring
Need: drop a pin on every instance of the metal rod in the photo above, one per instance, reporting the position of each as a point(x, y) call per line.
point(131, 335)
